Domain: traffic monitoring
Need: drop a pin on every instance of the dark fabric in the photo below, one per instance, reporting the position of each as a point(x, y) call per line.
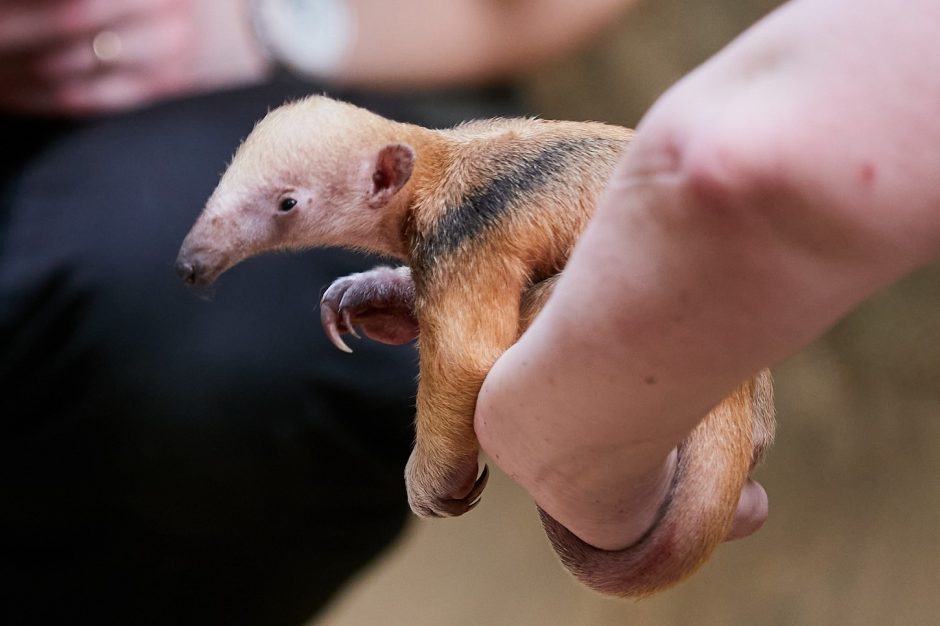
point(165, 459)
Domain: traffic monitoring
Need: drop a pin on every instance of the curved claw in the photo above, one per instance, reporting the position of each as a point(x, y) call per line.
point(454, 507)
point(329, 321)
point(379, 301)
point(347, 320)
point(473, 498)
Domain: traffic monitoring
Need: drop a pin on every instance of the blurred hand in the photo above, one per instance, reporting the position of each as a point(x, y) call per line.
point(80, 57)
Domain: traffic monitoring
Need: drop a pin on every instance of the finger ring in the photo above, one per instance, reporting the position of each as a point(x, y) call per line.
point(107, 46)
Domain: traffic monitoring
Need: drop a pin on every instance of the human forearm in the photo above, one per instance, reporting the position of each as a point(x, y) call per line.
point(764, 197)
point(619, 366)
point(404, 43)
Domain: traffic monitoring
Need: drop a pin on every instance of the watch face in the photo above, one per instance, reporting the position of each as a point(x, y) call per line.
point(310, 37)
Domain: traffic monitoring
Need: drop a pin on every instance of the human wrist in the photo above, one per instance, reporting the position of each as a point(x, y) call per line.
point(229, 54)
point(603, 480)
point(600, 495)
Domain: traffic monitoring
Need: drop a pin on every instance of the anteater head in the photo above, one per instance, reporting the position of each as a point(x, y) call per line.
point(312, 173)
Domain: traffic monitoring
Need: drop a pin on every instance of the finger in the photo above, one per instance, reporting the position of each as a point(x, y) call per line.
point(27, 25)
point(111, 92)
point(106, 93)
point(753, 508)
point(76, 97)
point(165, 40)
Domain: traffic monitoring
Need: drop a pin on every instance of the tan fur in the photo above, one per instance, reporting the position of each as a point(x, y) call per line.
point(472, 299)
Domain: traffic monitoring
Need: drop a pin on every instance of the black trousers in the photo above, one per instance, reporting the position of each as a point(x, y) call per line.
point(165, 459)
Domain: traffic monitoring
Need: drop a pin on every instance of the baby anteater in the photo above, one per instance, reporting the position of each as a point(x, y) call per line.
point(484, 217)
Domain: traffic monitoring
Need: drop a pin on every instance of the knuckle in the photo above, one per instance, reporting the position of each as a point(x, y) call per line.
point(72, 18)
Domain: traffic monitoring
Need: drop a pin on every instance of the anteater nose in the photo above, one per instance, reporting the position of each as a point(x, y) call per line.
point(187, 270)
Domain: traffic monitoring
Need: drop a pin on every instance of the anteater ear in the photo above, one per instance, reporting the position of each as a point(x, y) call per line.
point(393, 166)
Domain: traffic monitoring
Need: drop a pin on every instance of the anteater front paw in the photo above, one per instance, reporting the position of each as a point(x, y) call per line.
point(380, 302)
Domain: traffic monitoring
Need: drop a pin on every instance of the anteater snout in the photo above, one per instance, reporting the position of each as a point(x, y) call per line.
point(187, 270)
point(194, 271)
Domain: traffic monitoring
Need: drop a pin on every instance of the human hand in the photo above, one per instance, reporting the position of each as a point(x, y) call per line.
point(81, 57)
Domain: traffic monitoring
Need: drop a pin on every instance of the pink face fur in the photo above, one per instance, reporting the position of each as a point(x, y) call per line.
point(312, 173)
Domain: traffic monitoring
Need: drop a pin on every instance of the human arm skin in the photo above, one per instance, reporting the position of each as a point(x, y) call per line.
point(406, 43)
point(765, 195)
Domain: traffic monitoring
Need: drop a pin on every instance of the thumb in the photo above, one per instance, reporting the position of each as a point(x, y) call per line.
point(752, 511)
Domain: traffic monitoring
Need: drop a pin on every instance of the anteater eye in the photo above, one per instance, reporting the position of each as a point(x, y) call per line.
point(286, 205)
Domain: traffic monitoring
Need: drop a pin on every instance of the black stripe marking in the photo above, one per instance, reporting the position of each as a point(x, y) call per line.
point(482, 209)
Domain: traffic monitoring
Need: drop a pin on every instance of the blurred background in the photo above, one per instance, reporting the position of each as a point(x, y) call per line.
point(164, 460)
point(851, 537)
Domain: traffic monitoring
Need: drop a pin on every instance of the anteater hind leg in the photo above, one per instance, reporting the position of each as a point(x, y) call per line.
point(465, 326)
point(713, 464)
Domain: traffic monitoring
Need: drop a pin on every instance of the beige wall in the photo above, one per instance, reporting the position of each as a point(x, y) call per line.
point(623, 72)
point(855, 504)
